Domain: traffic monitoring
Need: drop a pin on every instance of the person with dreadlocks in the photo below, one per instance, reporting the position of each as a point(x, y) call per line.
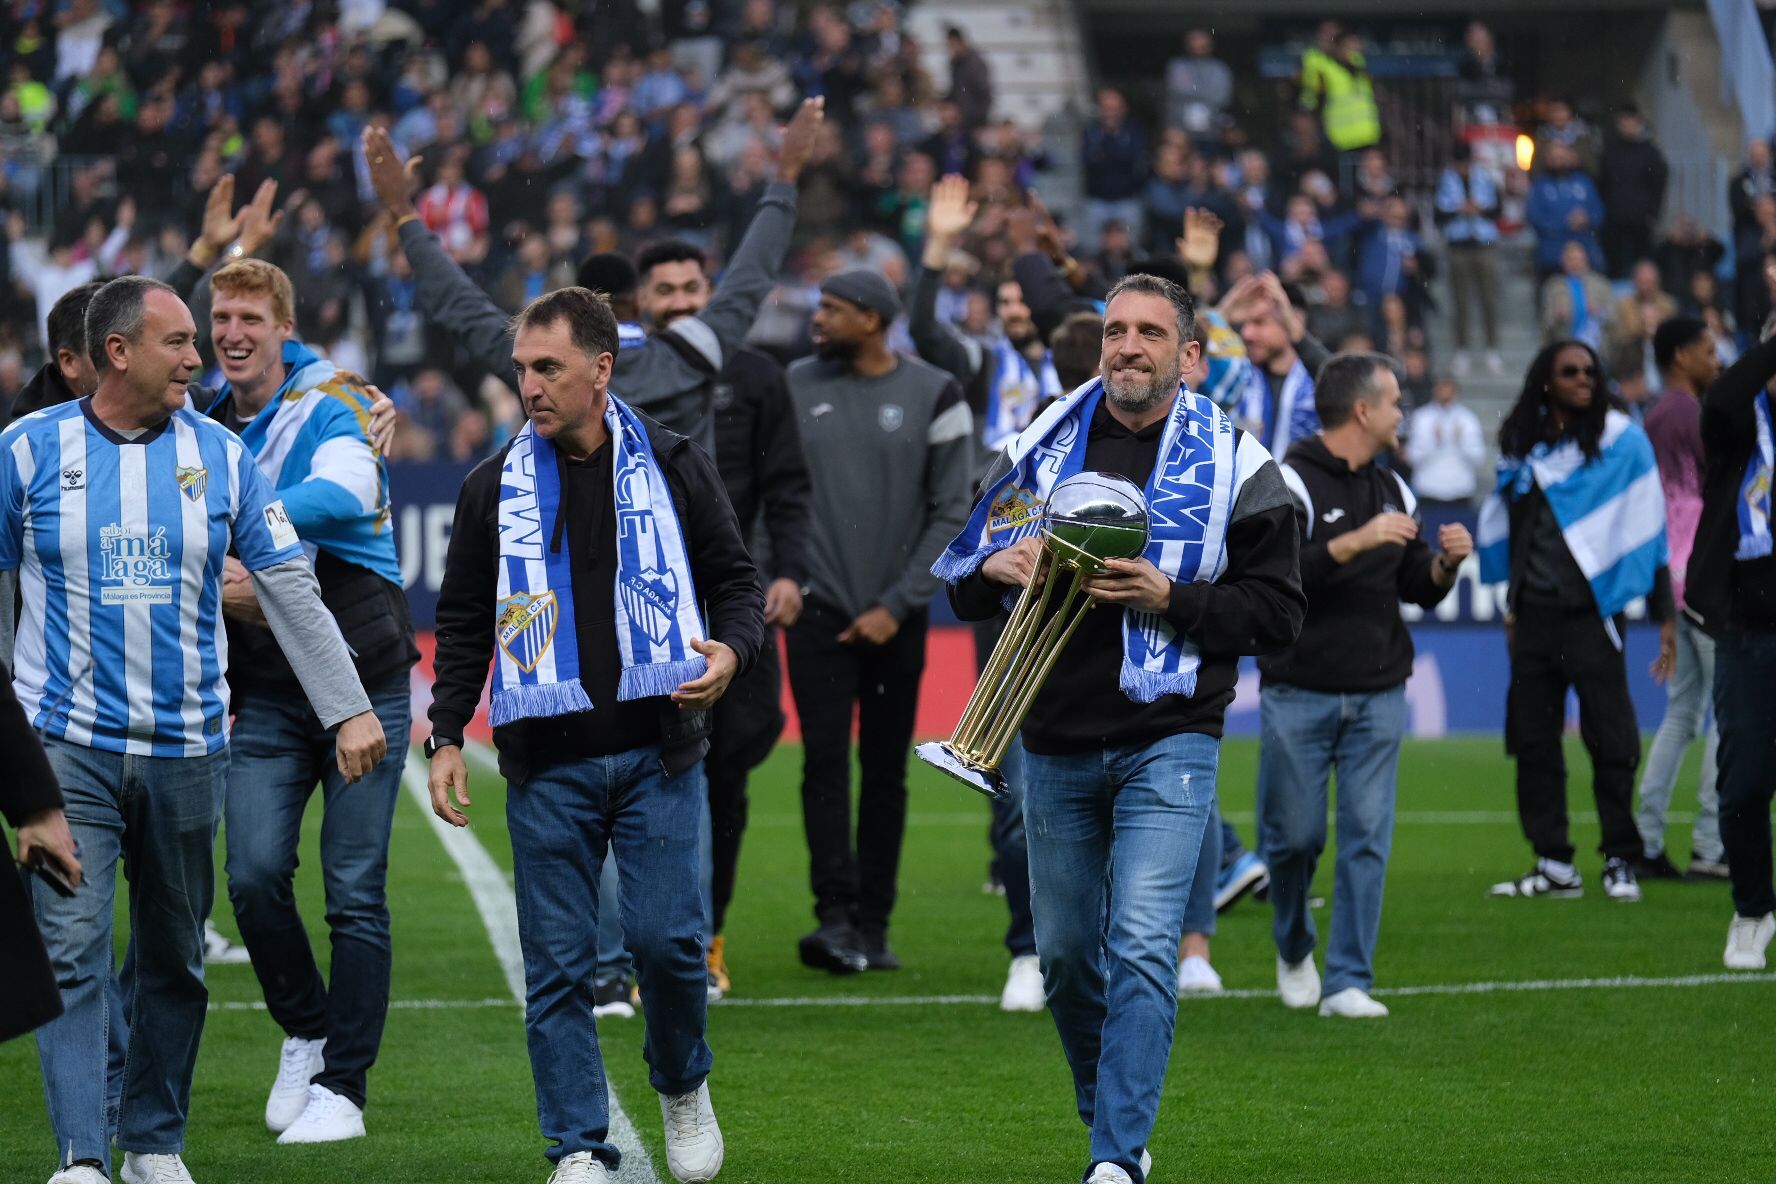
point(1576, 525)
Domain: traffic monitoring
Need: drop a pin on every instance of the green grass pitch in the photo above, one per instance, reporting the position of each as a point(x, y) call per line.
point(1617, 1083)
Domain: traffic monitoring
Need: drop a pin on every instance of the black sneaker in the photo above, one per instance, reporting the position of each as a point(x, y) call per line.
point(1541, 881)
point(876, 952)
point(1656, 867)
point(1707, 870)
point(613, 996)
point(834, 949)
point(1618, 880)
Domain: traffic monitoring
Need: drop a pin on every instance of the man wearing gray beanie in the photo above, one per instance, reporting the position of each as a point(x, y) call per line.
point(889, 443)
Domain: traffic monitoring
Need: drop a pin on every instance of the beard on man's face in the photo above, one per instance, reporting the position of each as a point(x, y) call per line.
point(831, 349)
point(1131, 393)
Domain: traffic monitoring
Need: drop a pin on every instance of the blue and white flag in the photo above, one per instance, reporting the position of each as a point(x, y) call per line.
point(1611, 511)
point(312, 441)
point(1190, 499)
point(1754, 487)
point(537, 659)
point(1292, 418)
point(1017, 389)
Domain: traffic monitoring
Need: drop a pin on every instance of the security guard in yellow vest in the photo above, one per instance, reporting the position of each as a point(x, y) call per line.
point(1338, 85)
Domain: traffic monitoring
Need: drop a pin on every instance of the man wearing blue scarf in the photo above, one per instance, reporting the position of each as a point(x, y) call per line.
point(307, 424)
point(1122, 744)
point(1730, 593)
point(597, 562)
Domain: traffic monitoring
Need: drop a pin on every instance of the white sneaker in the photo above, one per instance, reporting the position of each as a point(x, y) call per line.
point(1146, 1165)
point(154, 1169)
point(1023, 986)
point(1353, 1003)
point(1747, 938)
point(1196, 975)
point(1108, 1173)
point(582, 1167)
point(219, 951)
point(328, 1118)
point(79, 1173)
point(1298, 982)
point(693, 1140)
point(1459, 365)
point(297, 1066)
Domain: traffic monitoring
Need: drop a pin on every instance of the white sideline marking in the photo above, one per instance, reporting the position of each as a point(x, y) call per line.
point(1627, 982)
point(499, 912)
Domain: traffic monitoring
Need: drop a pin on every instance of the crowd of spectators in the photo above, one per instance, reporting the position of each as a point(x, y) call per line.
point(543, 139)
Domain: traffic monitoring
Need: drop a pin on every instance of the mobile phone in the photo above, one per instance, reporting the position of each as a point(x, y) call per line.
point(52, 875)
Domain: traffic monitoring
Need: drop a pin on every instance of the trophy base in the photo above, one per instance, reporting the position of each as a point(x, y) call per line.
point(939, 755)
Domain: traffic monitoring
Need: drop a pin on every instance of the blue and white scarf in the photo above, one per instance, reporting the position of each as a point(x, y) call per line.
point(1190, 500)
point(1291, 418)
point(1611, 511)
point(537, 658)
point(1754, 488)
point(1018, 388)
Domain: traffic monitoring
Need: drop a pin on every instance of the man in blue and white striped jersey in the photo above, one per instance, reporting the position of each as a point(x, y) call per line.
point(118, 510)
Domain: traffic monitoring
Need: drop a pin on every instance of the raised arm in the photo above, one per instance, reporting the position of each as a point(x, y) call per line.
point(947, 218)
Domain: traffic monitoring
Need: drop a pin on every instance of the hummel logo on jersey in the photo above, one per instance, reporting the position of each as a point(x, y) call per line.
point(136, 568)
point(1331, 516)
point(73, 479)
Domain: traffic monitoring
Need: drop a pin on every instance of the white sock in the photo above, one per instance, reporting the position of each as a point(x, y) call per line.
point(1559, 871)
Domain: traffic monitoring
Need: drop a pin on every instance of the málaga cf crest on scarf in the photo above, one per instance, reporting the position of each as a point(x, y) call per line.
point(538, 663)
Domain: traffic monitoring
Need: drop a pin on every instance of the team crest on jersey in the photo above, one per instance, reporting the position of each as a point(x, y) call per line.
point(525, 627)
point(193, 481)
point(136, 567)
point(1013, 509)
point(889, 415)
point(650, 597)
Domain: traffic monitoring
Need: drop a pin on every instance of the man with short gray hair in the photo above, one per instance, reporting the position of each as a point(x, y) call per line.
point(118, 510)
point(1336, 699)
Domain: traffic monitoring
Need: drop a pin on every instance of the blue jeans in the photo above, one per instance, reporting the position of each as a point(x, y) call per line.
point(1114, 837)
point(1306, 734)
point(279, 752)
point(158, 814)
point(563, 820)
point(1199, 911)
point(614, 960)
point(1686, 706)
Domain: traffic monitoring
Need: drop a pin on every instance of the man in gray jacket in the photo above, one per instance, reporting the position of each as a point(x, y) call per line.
point(890, 443)
point(671, 376)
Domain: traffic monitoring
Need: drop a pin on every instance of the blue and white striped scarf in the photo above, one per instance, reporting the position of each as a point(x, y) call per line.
point(537, 659)
point(1611, 511)
point(1754, 488)
point(1190, 500)
point(1018, 388)
point(1292, 418)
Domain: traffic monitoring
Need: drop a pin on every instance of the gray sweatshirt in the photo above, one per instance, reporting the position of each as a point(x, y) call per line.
point(658, 377)
point(891, 463)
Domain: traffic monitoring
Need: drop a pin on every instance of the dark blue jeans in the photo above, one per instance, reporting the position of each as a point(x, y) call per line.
point(564, 819)
point(158, 815)
point(279, 752)
point(1745, 706)
point(1114, 839)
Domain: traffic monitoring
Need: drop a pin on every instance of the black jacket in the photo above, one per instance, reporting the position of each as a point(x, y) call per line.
point(758, 452)
point(46, 389)
point(29, 995)
point(1353, 640)
point(721, 569)
point(1632, 181)
point(1720, 592)
point(1255, 606)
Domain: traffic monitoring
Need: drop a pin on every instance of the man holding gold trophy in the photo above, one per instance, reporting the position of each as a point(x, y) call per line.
point(1139, 497)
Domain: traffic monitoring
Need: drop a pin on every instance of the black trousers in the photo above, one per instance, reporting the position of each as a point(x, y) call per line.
point(748, 720)
point(881, 684)
point(1745, 705)
point(1550, 652)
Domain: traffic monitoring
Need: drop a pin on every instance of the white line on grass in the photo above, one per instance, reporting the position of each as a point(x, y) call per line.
point(1627, 982)
point(499, 913)
point(940, 820)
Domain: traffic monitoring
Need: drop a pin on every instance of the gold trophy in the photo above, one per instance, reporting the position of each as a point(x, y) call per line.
point(1090, 517)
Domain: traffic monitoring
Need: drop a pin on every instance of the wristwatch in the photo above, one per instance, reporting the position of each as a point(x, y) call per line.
point(434, 743)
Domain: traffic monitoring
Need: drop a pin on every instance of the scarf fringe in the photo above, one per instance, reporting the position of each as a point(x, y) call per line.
point(1144, 686)
point(1753, 547)
point(659, 678)
point(534, 700)
point(952, 568)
